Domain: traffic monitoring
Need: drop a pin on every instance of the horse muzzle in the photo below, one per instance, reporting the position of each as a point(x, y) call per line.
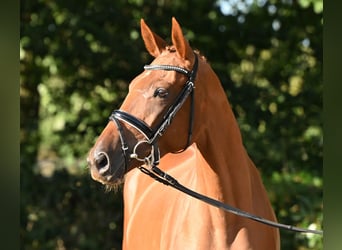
point(104, 168)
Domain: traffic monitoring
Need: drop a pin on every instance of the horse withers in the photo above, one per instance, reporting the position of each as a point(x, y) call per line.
point(176, 115)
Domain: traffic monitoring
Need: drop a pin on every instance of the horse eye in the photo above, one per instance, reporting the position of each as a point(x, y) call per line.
point(161, 92)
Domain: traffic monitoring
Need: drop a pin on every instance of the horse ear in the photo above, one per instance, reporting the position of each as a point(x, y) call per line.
point(181, 44)
point(153, 43)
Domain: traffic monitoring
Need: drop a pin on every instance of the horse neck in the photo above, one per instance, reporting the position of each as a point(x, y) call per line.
point(219, 139)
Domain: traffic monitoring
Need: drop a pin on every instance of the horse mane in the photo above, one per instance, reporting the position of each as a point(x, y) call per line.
point(200, 55)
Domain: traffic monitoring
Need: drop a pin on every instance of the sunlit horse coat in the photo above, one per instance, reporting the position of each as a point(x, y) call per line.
point(215, 164)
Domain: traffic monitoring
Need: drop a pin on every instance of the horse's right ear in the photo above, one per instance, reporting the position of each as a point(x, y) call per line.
point(153, 43)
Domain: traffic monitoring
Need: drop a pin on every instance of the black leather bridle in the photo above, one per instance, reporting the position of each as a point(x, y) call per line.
point(151, 138)
point(152, 135)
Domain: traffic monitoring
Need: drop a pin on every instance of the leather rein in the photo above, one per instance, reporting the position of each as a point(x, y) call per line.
point(151, 137)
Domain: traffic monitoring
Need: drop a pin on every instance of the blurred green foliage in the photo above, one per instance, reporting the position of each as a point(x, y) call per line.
point(76, 60)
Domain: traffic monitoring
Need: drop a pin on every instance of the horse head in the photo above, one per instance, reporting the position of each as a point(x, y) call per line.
point(137, 132)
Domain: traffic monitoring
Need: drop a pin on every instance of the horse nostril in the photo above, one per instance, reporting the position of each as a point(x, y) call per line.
point(102, 162)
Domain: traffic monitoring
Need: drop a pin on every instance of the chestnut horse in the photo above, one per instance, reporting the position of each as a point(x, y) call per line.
point(198, 142)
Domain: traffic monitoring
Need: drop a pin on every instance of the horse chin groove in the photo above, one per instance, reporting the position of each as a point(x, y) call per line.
point(111, 182)
point(115, 186)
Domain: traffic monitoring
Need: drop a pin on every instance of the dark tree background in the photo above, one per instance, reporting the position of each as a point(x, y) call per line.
point(77, 58)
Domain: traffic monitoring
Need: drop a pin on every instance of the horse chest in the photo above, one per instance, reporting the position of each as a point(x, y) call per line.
point(158, 217)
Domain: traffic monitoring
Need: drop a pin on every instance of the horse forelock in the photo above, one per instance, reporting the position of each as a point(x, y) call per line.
point(172, 49)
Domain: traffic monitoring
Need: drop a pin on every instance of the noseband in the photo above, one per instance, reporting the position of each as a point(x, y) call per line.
point(152, 135)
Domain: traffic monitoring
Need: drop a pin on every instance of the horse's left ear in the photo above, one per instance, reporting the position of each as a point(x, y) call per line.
point(181, 44)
